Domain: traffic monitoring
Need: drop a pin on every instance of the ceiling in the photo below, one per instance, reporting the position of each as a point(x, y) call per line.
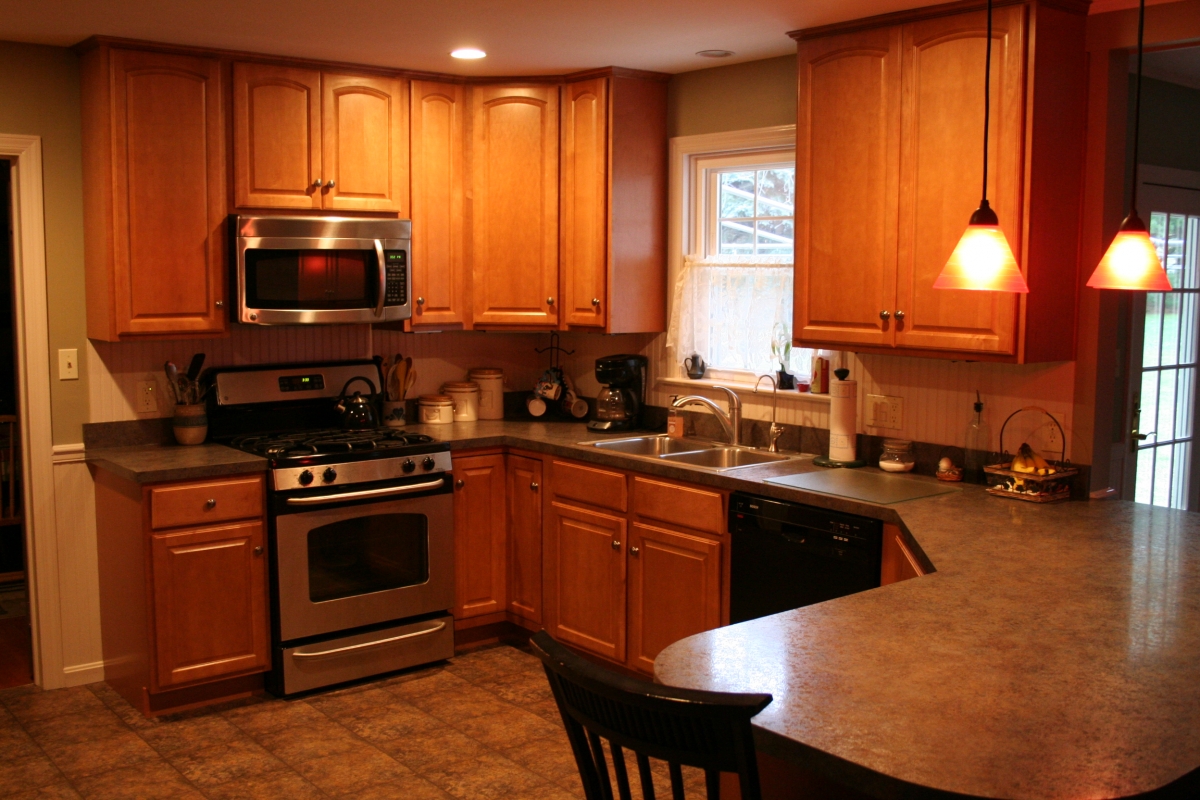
point(521, 37)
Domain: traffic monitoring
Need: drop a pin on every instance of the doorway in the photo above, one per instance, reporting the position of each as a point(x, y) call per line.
point(16, 646)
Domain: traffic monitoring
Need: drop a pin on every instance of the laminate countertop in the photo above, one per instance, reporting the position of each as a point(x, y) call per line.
point(1053, 652)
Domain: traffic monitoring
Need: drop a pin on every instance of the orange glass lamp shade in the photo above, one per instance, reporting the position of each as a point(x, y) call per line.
point(1131, 261)
point(982, 260)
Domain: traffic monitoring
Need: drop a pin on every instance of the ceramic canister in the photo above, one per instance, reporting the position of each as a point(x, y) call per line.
point(465, 395)
point(190, 423)
point(436, 409)
point(491, 391)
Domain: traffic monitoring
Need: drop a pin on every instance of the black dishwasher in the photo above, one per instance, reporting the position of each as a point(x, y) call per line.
point(787, 555)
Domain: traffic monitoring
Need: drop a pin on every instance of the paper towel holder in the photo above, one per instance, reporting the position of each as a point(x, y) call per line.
point(825, 461)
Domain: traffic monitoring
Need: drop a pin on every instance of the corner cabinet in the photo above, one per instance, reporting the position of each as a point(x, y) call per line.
point(154, 194)
point(889, 170)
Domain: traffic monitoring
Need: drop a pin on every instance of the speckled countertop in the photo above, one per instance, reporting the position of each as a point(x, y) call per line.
point(1054, 653)
point(155, 463)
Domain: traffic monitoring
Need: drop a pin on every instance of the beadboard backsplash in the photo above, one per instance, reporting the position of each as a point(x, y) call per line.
point(937, 394)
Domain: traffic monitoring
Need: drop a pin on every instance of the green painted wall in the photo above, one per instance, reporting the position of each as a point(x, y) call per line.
point(754, 94)
point(1170, 124)
point(39, 95)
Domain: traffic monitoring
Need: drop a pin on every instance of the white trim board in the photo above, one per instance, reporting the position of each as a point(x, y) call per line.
point(33, 378)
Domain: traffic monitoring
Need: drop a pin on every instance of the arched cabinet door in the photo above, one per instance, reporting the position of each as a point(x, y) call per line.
point(365, 143)
point(585, 218)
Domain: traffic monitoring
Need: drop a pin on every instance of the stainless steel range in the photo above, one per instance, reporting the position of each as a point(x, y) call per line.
point(361, 526)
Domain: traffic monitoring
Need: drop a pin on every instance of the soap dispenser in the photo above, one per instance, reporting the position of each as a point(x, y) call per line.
point(979, 441)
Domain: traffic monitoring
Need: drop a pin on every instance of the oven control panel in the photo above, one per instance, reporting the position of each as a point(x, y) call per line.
point(366, 471)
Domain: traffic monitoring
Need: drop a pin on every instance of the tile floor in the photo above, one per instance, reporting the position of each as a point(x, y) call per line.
point(482, 725)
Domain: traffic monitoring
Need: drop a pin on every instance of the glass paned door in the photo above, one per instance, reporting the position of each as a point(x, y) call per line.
point(1163, 441)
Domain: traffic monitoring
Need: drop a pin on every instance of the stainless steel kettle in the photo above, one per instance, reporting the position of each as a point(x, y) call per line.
point(358, 412)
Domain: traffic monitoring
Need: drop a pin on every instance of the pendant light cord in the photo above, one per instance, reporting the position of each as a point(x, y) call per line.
point(987, 100)
point(1137, 106)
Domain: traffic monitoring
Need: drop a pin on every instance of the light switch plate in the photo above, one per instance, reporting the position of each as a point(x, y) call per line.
point(68, 365)
point(885, 412)
point(147, 397)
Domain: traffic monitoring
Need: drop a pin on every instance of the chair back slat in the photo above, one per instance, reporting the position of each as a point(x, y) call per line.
point(706, 730)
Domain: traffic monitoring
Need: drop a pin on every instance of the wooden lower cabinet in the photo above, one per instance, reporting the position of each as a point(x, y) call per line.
point(524, 477)
point(674, 590)
point(210, 611)
point(899, 563)
point(479, 536)
point(585, 579)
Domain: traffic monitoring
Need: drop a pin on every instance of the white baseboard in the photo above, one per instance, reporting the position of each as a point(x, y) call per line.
point(67, 453)
point(79, 674)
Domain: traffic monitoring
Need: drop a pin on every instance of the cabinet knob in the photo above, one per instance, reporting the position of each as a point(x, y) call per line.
point(220, 304)
point(884, 315)
point(633, 551)
point(458, 484)
point(420, 301)
point(616, 544)
point(210, 502)
point(899, 315)
point(258, 550)
point(596, 301)
point(317, 183)
point(534, 486)
point(549, 301)
point(329, 185)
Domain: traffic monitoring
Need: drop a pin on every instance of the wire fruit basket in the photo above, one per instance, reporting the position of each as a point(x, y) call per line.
point(1053, 487)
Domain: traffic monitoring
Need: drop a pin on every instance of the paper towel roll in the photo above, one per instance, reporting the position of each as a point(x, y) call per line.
point(843, 420)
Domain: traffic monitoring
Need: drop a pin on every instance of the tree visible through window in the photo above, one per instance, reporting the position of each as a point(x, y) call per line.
point(756, 211)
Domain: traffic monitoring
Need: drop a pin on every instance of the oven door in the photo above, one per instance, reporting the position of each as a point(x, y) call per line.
point(303, 280)
point(362, 555)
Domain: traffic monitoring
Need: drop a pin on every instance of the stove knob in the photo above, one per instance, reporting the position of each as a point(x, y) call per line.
point(305, 478)
point(428, 463)
point(330, 475)
point(408, 466)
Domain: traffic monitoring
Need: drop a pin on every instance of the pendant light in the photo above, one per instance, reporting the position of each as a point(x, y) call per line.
point(1131, 261)
point(982, 260)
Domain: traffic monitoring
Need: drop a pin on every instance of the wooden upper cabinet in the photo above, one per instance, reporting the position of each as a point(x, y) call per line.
point(276, 136)
point(941, 174)
point(436, 173)
point(479, 536)
point(584, 202)
point(514, 165)
point(155, 196)
point(210, 603)
point(847, 172)
point(889, 167)
point(365, 136)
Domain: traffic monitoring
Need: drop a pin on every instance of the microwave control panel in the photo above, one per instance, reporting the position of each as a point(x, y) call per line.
point(397, 278)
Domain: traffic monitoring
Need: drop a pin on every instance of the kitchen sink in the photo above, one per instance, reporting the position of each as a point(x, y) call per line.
point(652, 446)
point(723, 458)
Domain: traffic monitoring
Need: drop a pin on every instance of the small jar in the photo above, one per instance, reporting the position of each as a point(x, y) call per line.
point(897, 456)
point(436, 409)
point(491, 391)
point(465, 395)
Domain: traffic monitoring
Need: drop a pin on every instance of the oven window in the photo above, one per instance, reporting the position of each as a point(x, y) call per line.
point(311, 279)
point(367, 554)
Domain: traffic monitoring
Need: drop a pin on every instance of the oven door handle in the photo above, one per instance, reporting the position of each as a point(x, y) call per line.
point(388, 492)
point(364, 645)
point(382, 278)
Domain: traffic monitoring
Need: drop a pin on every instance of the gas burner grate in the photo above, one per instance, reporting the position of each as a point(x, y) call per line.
point(301, 444)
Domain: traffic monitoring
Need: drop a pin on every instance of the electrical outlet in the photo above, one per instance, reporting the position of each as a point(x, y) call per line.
point(68, 365)
point(147, 397)
point(885, 412)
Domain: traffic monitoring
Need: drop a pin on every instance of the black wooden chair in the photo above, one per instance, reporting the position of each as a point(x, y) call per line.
point(708, 730)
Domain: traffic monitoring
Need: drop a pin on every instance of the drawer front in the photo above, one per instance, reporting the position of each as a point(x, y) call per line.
point(204, 503)
point(685, 506)
point(596, 487)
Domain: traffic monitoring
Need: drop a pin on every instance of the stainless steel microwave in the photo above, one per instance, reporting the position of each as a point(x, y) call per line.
point(320, 270)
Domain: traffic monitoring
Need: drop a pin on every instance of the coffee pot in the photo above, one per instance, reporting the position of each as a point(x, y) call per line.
point(358, 412)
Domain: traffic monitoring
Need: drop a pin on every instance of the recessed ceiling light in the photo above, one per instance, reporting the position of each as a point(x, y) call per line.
point(468, 53)
point(715, 53)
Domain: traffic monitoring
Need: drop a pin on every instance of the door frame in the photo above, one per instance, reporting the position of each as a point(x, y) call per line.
point(31, 319)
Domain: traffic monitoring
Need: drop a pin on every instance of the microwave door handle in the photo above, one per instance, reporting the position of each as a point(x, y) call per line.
point(382, 278)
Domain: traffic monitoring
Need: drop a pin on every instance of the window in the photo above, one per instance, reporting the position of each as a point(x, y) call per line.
point(733, 291)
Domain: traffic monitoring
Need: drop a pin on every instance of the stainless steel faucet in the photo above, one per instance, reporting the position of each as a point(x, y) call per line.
point(731, 422)
point(776, 428)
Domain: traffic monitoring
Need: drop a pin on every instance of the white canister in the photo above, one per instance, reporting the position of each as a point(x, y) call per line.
point(436, 409)
point(465, 395)
point(491, 391)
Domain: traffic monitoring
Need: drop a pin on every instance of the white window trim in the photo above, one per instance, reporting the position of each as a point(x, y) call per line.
point(682, 217)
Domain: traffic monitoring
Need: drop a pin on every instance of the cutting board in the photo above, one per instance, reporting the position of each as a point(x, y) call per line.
point(871, 487)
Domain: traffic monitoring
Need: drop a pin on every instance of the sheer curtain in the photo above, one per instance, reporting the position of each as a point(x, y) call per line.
point(726, 307)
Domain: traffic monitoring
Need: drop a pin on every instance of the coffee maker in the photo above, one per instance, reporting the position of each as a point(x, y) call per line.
point(619, 403)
